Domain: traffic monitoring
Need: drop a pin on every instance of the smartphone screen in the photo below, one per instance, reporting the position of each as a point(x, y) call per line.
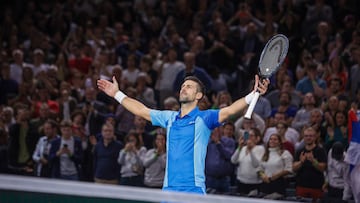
point(246, 136)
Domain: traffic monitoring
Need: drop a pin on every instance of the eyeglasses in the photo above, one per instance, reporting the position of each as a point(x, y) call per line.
point(309, 135)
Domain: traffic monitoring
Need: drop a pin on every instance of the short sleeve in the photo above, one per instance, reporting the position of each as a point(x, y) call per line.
point(161, 118)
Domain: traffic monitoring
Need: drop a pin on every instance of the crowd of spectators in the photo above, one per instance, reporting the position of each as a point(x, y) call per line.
point(56, 123)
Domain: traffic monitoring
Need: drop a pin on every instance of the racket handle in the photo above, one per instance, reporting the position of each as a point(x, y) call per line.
point(252, 105)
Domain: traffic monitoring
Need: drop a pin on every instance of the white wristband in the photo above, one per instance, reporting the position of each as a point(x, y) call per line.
point(249, 97)
point(120, 96)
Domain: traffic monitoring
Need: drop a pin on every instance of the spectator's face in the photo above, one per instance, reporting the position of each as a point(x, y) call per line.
point(309, 136)
point(49, 130)
point(274, 141)
point(281, 129)
point(23, 115)
point(160, 140)
point(284, 99)
point(340, 119)
point(228, 130)
point(309, 99)
point(66, 131)
point(333, 103)
point(315, 117)
point(139, 122)
point(107, 132)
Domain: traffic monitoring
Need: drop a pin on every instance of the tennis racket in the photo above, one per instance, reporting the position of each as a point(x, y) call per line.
point(272, 56)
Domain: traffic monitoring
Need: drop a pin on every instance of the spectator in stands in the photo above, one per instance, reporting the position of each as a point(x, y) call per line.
point(335, 88)
point(245, 124)
point(42, 96)
point(106, 152)
point(285, 107)
point(77, 61)
point(155, 161)
point(291, 134)
point(286, 86)
point(337, 170)
point(281, 129)
point(354, 74)
point(311, 83)
point(16, 68)
point(218, 167)
point(22, 142)
point(67, 104)
point(9, 87)
point(42, 151)
point(191, 69)
point(130, 158)
point(330, 107)
point(145, 93)
point(66, 154)
point(338, 132)
point(171, 103)
point(167, 75)
point(131, 73)
point(302, 117)
point(145, 138)
point(309, 165)
point(248, 156)
point(276, 163)
point(124, 118)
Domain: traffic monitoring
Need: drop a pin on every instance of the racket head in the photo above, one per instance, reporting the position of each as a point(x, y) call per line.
point(273, 55)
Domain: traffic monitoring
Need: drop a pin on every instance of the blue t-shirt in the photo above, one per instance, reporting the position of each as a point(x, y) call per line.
point(187, 140)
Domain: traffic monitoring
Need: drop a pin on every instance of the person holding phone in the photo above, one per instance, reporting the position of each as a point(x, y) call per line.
point(248, 156)
point(66, 154)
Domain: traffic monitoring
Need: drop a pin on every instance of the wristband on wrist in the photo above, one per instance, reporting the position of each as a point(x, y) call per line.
point(249, 97)
point(120, 96)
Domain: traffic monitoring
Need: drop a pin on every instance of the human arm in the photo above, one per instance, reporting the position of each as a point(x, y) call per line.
point(132, 105)
point(240, 104)
point(37, 153)
point(150, 157)
point(288, 160)
point(299, 162)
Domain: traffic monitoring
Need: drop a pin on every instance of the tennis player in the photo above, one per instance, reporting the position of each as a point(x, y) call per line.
point(188, 130)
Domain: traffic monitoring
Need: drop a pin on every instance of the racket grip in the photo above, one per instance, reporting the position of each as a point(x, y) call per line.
point(252, 105)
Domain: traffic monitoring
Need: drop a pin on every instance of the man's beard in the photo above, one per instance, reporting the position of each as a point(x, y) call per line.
point(185, 100)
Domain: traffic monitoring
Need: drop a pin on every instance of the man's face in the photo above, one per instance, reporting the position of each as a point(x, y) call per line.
point(48, 129)
point(309, 136)
point(315, 117)
point(188, 92)
point(228, 130)
point(107, 132)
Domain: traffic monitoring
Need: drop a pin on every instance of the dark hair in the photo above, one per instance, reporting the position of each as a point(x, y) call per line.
point(198, 81)
point(337, 152)
point(133, 133)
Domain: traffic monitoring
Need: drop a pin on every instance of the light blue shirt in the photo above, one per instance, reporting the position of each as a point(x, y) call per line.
point(187, 140)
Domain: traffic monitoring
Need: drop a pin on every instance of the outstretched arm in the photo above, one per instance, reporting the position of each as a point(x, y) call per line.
point(242, 103)
point(132, 105)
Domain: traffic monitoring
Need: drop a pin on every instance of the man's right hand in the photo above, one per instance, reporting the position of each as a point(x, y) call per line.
point(110, 88)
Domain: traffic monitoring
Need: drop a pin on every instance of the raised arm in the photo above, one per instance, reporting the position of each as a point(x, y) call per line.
point(242, 103)
point(132, 105)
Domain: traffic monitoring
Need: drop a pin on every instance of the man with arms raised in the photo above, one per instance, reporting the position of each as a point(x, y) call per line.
point(188, 130)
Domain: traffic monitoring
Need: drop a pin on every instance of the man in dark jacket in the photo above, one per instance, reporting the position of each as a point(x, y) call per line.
point(66, 154)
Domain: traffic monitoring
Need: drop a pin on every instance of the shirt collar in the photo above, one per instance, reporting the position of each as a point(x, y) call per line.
point(192, 113)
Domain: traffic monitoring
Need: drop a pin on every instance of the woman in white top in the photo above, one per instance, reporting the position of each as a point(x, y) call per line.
point(155, 162)
point(248, 156)
point(275, 165)
point(130, 159)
